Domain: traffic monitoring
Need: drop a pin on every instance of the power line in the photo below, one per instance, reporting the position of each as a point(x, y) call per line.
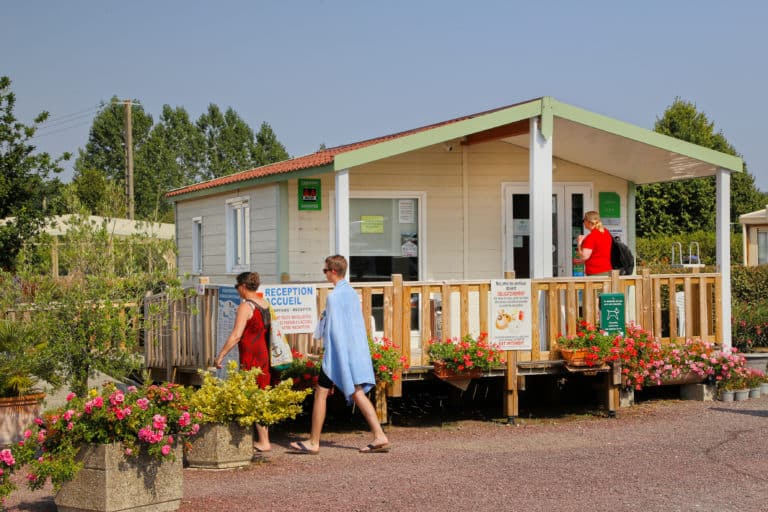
point(63, 129)
point(57, 122)
point(93, 108)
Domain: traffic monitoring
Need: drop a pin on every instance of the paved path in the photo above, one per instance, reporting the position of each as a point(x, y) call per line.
point(663, 455)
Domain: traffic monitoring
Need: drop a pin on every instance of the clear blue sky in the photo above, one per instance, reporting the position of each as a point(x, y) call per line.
point(334, 72)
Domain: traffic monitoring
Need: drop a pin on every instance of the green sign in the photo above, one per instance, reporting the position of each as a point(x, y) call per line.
point(310, 196)
point(610, 205)
point(612, 312)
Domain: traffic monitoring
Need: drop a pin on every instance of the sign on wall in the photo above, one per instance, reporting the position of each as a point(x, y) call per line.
point(294, 305)
point(229, 300)
point(310, 194)
point(511, 314)
point(612, 312)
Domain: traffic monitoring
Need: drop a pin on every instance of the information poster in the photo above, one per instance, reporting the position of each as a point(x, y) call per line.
point(294, 305)
point(511, 327)
point(406, 211)
point(612, 312)
point(371, 224)
point(229, 300)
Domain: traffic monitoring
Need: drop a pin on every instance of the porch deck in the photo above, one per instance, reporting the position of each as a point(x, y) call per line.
point(183, 334)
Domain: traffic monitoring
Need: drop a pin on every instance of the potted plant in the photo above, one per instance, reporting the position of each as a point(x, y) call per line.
point(24, 363)
point(130, 443)
point(387, 360)
point(303, 371)
point(589, 347)
point(467, 357)
point(229, 408)
point(753, 378)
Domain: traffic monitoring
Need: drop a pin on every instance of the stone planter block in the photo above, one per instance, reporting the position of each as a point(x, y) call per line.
point(757, 360)
point(220, 446)
point(698, 392)
point(111, 482)
point(627, 397)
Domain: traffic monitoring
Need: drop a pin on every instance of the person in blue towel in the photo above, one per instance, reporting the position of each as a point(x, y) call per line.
point(346, 360)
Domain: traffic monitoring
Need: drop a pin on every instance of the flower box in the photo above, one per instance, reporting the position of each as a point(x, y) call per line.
point(221, 446)
point(579, 357)
point(441, 371)
point(110, 481)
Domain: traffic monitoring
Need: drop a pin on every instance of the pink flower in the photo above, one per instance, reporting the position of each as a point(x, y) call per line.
point(116, 398)
point(128, 452)
point(70, 396)
point(6, 456)
point(27, 434)
point(39, 421)
point(132, 389)
point(98, 402)
point(165, 450)
point(184, 419)
point(170, 440)
point(70, 425)
point(158, 422)
point(68, 415)
point(143, 403)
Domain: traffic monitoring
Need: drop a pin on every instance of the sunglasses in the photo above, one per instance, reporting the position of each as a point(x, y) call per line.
point(326, 270)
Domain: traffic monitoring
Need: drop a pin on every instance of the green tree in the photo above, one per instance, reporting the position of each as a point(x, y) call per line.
point(269, 149)
point(689, 205)
point(24, 178)
point(230, 145)
point(105, 149)
point(93, 192)
point(171, 158)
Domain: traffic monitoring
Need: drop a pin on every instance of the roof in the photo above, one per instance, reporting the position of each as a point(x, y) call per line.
point(758, 217)
point(582, 137)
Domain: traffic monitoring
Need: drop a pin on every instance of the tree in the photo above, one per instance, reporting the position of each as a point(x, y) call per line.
point(97, 194)
point(689, 205)
point(105, 149)
point(269, 149)
point(24, 178)
point(229, 143)
point(171, 158)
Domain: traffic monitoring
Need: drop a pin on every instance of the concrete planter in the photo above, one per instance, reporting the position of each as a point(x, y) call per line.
point(741, 394)
point(111, 482)
point(757, 360)
point(220, 446)
point(16, 414)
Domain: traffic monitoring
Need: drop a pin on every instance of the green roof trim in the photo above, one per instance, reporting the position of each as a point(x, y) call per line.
point(649, 137)
point(263, 180)
point(437, 135)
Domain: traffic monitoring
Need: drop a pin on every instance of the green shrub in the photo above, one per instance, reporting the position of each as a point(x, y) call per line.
point(749, 325)
point(658, 250)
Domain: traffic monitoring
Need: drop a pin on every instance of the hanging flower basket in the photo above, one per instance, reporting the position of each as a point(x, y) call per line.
point(441, 371)
point(580, 357)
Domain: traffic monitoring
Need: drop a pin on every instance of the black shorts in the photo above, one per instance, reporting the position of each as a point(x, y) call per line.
point(323, 381)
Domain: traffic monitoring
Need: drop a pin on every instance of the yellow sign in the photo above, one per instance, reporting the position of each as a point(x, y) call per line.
point(371, 224)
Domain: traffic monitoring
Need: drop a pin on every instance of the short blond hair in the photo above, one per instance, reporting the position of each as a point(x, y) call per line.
point(337, 263)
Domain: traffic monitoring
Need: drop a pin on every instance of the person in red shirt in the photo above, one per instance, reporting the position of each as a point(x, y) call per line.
point(595, 248)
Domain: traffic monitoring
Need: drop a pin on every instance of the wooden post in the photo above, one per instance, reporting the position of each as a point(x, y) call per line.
point(400, 335)
point(511, 403)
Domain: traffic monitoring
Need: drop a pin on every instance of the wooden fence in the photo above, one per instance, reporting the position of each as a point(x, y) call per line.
point(181, 334)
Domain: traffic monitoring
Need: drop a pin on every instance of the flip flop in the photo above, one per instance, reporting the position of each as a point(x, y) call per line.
point(376, 448)
point(259, 450)
point(299, 448)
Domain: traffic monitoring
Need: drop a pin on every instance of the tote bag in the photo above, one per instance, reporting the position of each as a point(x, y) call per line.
point(280, 356)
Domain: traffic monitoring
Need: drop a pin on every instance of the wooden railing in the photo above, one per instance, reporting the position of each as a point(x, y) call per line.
point(181, 334)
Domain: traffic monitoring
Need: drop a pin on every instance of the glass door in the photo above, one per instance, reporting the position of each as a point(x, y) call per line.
point(569, 203)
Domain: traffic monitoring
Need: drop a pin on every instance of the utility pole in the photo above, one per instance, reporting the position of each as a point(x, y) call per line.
point(129, 158)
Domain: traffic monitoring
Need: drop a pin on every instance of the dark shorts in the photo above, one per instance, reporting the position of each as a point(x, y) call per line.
point(323, 381)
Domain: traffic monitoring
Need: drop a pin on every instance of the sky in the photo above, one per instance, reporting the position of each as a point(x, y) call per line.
point(334, 72)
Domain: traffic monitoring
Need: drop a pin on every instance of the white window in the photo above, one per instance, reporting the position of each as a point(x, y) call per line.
point(238, 235)
point(197, 245)
point(762, 247)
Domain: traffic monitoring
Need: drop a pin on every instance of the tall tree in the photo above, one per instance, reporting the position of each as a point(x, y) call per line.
point(105, 149)
point(171, 157)
point(229, 142)
point(269, 149)
point(24, 178)
point(689, 205)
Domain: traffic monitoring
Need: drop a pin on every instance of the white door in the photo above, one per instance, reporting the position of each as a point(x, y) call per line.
point(569, 203)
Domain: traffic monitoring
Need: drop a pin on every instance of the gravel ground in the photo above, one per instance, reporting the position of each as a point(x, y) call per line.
point(659, 455)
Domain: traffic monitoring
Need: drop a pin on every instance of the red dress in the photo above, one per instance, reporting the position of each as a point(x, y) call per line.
point(253, 344)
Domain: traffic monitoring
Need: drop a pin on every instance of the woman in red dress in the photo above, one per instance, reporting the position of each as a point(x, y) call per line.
point(251, 335)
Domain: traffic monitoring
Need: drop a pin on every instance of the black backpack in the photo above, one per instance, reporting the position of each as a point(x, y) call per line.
point(622, 258)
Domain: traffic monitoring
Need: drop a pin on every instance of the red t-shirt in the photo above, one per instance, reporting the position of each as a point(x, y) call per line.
point(600, 260)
